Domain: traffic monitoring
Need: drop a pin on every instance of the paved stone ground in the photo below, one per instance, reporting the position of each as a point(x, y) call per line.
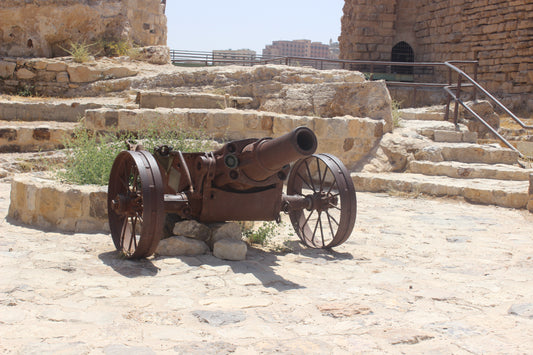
point(417, 276)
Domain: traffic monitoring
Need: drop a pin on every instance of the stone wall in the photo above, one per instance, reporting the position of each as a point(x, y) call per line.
point(54, 77)
point(350, 139)
point(46, 203)
point(497, 33)
point(39, 28)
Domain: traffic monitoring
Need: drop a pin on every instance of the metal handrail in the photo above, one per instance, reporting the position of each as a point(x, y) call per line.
point(462, 74)
point(473, 83)
point(480, 119)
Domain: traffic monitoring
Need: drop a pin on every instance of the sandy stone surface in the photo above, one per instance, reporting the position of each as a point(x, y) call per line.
point(417, 276)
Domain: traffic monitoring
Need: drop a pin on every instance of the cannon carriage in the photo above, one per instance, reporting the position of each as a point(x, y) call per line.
point(241, 181)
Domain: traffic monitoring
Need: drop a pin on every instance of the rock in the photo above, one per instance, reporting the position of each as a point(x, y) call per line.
point(25, 74)
point(56, 66)
point(62, 77)
point(154, 54)
point(523, 310)
point(83, 74)
point(219, 318)
point(118, 72)
point(486, 111)
point(229, 249)
point(192, 229)
point(179, 245)
point(230, 230)
point(7, 69)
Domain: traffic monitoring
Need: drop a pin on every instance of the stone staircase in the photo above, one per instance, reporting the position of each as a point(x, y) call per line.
point(42, 124)
point(443, 160)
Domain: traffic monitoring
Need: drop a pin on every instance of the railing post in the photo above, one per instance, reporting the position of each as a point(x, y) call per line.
point(448, 97)
point(474, 94)
point(458, 95)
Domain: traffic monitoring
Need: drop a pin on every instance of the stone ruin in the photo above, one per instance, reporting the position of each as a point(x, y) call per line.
point(42, 28)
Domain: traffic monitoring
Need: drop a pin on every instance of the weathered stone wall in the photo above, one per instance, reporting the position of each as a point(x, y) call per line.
point(46, 203)
point(497, 33)
point(39, 28)
point(54, 77)
point(349, 138)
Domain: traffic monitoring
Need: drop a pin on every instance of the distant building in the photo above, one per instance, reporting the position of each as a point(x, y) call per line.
point(297, 48)
point(230, 55)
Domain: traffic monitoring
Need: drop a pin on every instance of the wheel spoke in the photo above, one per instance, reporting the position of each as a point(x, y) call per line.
point(314, 231)
point(304, 181)
point(307, 220)
point(310, 176)
point(330, 226)
point(333, 218)
point(123, 232)
point(319, 173)
point(321, 229)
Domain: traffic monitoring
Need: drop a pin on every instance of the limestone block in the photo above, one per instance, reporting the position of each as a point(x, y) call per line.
point(39, 64)
point(229, 249)
point(24, 74)
point(62, 77)
point(219, 231)
point(56, 66)
point(83, 73)
point(7, 69)
point(447, 136)
point(179, 245)
point(192, 229)
point(118, 72)
point(154, 54)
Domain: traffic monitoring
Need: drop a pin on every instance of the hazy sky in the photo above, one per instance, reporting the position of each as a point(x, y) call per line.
point(204, 25)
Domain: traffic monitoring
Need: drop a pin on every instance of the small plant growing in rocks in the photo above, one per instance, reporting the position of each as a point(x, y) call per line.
point(396, 120)
point(263, 234)
point(80, 52)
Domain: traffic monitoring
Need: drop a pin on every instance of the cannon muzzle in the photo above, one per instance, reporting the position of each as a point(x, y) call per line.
point(267, 156)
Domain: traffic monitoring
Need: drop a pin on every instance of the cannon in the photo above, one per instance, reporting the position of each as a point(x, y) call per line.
point(241, 181)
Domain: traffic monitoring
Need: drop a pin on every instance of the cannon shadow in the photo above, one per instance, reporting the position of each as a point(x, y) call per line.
point(128, 268)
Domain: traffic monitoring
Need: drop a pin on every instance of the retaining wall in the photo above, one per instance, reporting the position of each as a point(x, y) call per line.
point(44, 202)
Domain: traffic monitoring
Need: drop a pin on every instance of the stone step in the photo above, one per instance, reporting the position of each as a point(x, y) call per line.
point(16, 136)
point(154, 99)
point(468, 153)
point(469, 170)
point(441, 131)
point(511, 194)
point(60, 110)
point(349, 138)
point(433, 113)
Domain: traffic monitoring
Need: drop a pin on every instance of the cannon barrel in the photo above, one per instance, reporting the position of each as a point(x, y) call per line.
point(266, 157)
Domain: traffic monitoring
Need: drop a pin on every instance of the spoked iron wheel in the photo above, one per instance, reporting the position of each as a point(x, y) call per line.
point(135, 204)
point(330, 218)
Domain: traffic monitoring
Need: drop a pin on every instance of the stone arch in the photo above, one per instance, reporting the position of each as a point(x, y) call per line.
point(402, 52)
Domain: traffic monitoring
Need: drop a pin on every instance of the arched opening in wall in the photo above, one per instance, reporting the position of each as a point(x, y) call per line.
point(402, 52)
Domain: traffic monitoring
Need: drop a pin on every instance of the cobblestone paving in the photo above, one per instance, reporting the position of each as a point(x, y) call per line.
point(417, 276)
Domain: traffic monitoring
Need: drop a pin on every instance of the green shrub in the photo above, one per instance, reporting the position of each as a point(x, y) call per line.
point(263, 234)
point(89, 156)
point(80, 52)
point(114, 48)
point(396, 119)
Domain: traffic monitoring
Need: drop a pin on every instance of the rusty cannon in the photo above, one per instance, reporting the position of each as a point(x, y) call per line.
point(242, 181)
